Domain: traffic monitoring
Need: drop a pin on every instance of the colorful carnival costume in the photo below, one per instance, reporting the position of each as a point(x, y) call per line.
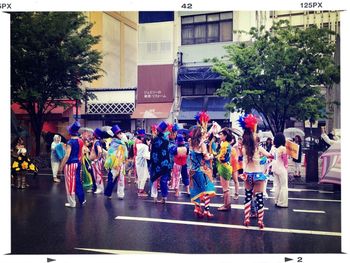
point(225, 172)
point(180, 152)
point(97, 162)
point(87, 170)
point(201, 185)
point(21, 165)
point(72, 166)
point(160, 162)
point(172, 129)
point(115, 164)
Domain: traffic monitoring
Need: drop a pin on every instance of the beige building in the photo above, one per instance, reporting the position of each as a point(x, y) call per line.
point(115, 90)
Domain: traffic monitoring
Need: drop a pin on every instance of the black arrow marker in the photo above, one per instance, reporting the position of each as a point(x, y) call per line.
point(287, 259)
point(50, 259)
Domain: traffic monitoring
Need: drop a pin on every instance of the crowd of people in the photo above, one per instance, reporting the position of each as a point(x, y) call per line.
point(169, 158)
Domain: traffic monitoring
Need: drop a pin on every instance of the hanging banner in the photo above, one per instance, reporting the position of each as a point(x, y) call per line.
point(292, 149)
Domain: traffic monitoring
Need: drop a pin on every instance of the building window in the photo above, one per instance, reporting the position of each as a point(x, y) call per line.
point(206, 28)
point(200, 89)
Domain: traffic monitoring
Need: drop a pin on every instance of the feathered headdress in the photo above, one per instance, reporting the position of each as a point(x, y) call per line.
point(154, 130)
point(202, 119)
point(248, 122)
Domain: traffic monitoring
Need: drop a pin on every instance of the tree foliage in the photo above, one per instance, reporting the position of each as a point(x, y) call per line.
point(51, 55)
point(280, 73)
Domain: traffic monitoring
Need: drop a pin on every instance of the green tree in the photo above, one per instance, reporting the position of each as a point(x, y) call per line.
point(51, 55)
point(280, 73)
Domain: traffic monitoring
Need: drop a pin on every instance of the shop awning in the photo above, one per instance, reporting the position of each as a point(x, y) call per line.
point(16, 107)
point(152, 111)
point(215, 106)
point(191, 74)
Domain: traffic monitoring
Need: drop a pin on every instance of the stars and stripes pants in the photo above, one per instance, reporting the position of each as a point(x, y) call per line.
point(73, 183)
point(97, 168)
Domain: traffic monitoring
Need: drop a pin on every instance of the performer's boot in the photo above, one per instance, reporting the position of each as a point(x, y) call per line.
point(227, 203)
point(206, 207)
point(18, 181)
point(247, 206)
point(260, 204)
point(23, 182)
point(198, 211)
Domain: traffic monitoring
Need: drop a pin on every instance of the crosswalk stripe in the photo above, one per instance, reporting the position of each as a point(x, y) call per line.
point(220, 225)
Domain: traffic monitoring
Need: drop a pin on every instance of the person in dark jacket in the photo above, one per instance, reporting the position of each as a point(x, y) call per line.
point(297, 162)
point(160, 165)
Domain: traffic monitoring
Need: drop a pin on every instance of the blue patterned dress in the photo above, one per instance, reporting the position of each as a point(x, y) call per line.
point(200, 184)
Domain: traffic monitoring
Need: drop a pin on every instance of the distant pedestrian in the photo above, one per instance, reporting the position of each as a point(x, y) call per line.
point(55, 161)
point(280, 170)
point(297, 162)
point(143, 155)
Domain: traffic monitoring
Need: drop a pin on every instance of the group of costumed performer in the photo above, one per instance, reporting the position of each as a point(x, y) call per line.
point(201, 180)
point(254, 178)
point(115, 163)
point(71, 166)
point(21, 165)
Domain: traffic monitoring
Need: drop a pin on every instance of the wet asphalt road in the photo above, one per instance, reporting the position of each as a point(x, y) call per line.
point(41, 224)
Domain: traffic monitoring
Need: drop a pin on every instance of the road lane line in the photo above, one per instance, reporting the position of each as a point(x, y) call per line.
point(309, 211)
point(220, 225)
point(117, 251)
point(233, 206)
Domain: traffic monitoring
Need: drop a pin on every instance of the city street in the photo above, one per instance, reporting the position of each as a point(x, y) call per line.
point(41, 224)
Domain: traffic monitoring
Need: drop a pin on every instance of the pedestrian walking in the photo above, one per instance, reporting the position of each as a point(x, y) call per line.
point(71, 165)
point(297, 162)
point(280, 170)
point(254, 178)
point(55, 160)
point(143, 155)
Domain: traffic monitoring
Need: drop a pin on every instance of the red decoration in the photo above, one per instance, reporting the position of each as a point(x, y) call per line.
point(250, 122)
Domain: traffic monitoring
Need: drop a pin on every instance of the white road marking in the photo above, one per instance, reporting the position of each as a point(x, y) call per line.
point(119, 252)
point(309, 211)
point(220, 225)
point(234, 206)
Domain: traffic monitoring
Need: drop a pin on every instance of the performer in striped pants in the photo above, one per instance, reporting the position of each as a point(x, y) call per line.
point(97, 162)
point(71, 165)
